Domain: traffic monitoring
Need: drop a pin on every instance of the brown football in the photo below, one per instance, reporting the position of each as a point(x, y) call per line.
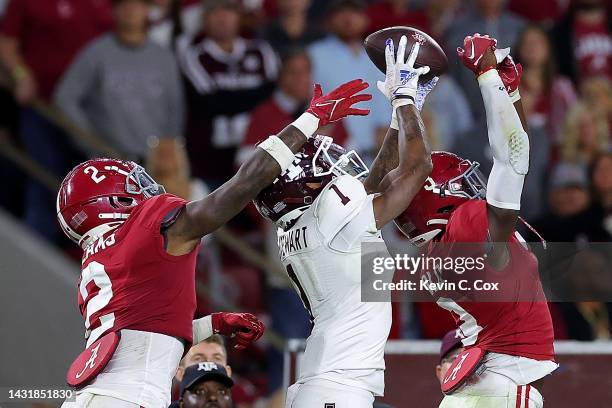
point(430, 53)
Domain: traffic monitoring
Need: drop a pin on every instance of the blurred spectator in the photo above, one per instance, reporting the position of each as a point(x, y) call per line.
point(596, 93)
point(544, 12)
point(30, 37)
point(212, 349)
point(583, 40)
point(450, 348)
point(123, 87)
point(291, 28)
point(341, 57)
point(169, 19)
point(286, 104)
point(442, 13)
point(206, 384)
point(601, 179)
point(450, 112)
point(388, 13)
point(548, 94)
point(227, 76)
point(586, 134)
point(571, 218)
point(487, 17)
point(167, 163)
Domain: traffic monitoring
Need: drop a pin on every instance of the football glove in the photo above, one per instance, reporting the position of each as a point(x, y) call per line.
point(474, 48)
point(511, 74)
point(402, 78)
point(338, 104)
point(244, 328)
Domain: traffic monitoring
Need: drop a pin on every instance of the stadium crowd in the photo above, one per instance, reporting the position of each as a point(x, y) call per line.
point(189, 87)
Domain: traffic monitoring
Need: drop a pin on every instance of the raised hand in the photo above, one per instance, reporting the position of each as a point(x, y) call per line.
point(401, 85)
point(474, 54)
point(338, 104)
point(244, 328)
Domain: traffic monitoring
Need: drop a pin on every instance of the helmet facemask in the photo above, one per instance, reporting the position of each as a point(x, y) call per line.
point(341, 162)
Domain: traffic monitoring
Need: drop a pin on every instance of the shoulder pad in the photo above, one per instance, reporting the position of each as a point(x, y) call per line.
point(337, 204)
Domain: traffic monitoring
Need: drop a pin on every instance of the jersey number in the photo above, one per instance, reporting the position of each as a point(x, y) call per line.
point(94, 272)
point(94, 174)
point(469, 327)
point(343, 199)
point(303, 296)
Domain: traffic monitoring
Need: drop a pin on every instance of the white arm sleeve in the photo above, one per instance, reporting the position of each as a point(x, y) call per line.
point(509, 143)
point(202, 329)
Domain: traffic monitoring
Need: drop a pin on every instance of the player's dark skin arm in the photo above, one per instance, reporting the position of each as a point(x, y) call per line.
point(502, 222)
point(404, 182)
point(202, 217)
point(386, 160)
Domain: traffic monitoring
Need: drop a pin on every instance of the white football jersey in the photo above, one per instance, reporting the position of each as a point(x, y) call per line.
point(322, 255)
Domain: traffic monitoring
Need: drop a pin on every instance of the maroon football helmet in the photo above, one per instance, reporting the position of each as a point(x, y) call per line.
point(452, 182)
point(98, 195)
point(315, 165)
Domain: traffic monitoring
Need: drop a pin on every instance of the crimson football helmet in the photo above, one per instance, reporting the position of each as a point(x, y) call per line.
point(318, 162)
point(98, 195)
point(452, 182)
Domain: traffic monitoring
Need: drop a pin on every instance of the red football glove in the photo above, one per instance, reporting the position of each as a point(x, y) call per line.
point(510, 74)
point(338, 104)
point(243, 327)
point(474, 47)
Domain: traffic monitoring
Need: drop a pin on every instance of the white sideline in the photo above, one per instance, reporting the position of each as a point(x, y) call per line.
point(433, 347)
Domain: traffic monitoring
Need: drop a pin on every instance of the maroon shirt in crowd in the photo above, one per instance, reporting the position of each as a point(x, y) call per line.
point(593, 49)
point(51, 32)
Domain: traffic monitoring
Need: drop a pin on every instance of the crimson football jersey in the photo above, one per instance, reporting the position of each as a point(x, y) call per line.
point(520, 326)
point(129, 281)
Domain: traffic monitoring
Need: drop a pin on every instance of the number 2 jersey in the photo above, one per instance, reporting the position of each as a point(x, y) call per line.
point(322, 255)
point(129, 281)
point(517, 333)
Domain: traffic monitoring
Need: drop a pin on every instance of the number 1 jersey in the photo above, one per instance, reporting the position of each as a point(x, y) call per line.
point(322, 255)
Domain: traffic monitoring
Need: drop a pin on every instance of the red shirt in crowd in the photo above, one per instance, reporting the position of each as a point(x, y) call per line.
point(383, 15)
point(593, 49)
point(51, 32)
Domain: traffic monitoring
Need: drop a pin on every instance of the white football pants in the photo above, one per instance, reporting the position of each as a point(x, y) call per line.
point(327, 394)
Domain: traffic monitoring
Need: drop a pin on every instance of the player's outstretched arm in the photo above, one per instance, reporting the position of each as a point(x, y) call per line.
point(388, 155)
point(271, 157)
point(507, 137)
point(401, 184)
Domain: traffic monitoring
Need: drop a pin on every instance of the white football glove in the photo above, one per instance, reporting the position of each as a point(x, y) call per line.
point(401, 85)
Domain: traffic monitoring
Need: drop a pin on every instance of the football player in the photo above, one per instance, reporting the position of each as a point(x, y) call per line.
point(137, 287)
point(324, 211)
point(512, 340)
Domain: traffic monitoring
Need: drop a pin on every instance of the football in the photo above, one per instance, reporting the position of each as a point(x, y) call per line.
point(430, 53)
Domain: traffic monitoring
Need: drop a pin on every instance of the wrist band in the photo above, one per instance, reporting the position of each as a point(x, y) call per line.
point(515, 96)
point(279, 151)
point(202, 329)
point(394, 122)
point(402, 101)
point(307, 123)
